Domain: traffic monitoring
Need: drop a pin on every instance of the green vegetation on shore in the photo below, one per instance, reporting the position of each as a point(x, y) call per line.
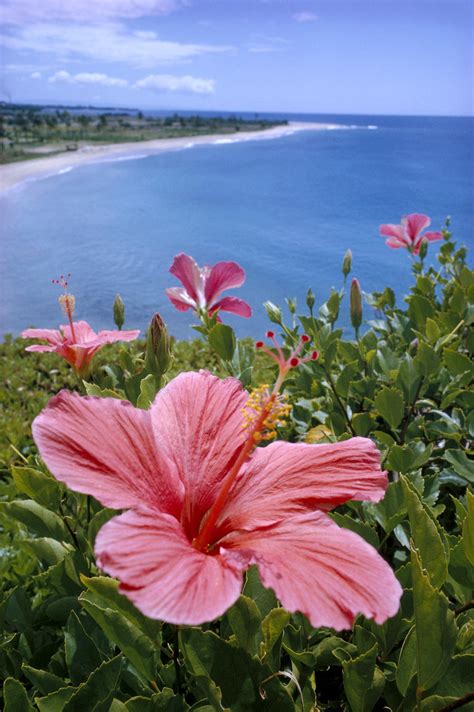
point(33, 131)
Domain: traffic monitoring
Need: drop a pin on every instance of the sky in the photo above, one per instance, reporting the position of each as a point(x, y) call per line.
point(411, 57)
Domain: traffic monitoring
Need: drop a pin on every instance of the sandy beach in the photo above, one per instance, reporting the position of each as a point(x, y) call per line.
point(14, 174)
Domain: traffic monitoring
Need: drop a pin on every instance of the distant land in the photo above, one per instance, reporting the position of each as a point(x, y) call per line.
point(29, 131)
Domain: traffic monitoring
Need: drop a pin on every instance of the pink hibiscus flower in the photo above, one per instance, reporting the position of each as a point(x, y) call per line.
point(76, 342)
point(408, 233)
point(203, 286)
point(204, 503)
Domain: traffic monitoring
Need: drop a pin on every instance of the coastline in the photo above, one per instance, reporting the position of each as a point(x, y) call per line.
point(16, 174)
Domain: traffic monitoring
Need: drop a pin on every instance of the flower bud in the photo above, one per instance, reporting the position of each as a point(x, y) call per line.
point(356, 304)
point(347, 263)
point(119, 311)
point(273, 312)
point(158, 347)
point(291, 305)
point(310, 299)
point(423, 249)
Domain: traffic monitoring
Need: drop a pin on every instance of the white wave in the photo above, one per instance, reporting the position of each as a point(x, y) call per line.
point(68, 169)
point(225, 140)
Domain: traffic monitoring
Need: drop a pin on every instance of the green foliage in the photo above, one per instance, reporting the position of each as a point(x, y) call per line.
point(71, 641)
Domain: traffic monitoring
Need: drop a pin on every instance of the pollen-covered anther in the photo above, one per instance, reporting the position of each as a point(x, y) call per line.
point(67, 303)
point(277, 409)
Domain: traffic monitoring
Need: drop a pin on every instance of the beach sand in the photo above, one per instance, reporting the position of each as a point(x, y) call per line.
point(14, 174)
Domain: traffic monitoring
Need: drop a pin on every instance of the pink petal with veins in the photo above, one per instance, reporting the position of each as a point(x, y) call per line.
point(328, 573)
point(161, 573)
point(222, 276)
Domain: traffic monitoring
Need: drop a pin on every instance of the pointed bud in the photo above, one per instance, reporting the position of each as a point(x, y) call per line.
point(347, 263)
point(273, 312)
point(310, 299)
point(158, 347)
point(423, 249)
point(119, 311)
point(356, 304)
point(291, 305)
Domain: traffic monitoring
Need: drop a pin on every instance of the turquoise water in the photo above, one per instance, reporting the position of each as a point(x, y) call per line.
point(286, 209)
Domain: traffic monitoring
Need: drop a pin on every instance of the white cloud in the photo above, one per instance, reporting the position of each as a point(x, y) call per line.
point(87, 78)
point(21, 11)
point(108, 42)
point(168, 82)
point(305, 17)
point(264, 45)
point(36, 75)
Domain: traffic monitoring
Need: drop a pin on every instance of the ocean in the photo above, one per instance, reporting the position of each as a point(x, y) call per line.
point(286, 209)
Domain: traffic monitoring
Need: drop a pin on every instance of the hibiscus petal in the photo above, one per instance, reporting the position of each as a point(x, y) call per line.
point(40, 347)
point(108, 337)
point(197, 419)
point(328, 573)
point(187, 271)
point(180, 298)
point(161, 573)
point(234, 305)
point(433, 236)
point(52, 335)
point(395, 243)
point(83, 332)
point(415, 223)
point(223, 275)
point(105, 447)
point(284, 479)
point(395, 231)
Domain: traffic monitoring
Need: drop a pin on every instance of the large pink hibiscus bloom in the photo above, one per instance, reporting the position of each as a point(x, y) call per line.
point(76, 342)
point(203, 286)
point(409, 233)
point(204, 504)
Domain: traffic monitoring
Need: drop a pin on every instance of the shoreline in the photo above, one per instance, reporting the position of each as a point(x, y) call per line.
point(14, 175)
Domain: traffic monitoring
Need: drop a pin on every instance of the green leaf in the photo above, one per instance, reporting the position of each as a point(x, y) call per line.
point(244, 618)
point(436, 630)
point(362, 528)
point(38, 519)
point(147, 392)
point(427, 361)
point(97, 693)
point(225, 672)
point(97, 522)
point(93, 389)
point(419, 310)
point(389, 403)
point(15, 698)
point(463, 466)
point(55, 701)
point(253, 588)
point(457, 363)
point(44, 681)
point(37, 485)
point(222, 339)
point(391, 510)
point(122, 624)
point(82, 655)
point(458, 679)
point(48, 551)
point(407, 662)
point(363, 683)
point(468, 528)
point(362, 423)
point(408, 379)
point(426, 536)
point(273, 626)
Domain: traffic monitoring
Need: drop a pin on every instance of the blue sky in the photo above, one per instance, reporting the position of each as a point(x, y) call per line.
point(318, 56)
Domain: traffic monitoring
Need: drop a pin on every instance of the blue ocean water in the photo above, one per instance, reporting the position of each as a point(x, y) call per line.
point(286, 209)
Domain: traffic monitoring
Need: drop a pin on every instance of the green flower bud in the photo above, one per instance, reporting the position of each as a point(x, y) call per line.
point(423, 249)
point(356, 304)
point(119, 311)
point(158, 347)
point(291, 305)
point(347, 263)
point(310, 299)
point(273, 312)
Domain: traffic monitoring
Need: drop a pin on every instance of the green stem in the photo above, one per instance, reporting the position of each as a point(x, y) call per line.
point(339, 401)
